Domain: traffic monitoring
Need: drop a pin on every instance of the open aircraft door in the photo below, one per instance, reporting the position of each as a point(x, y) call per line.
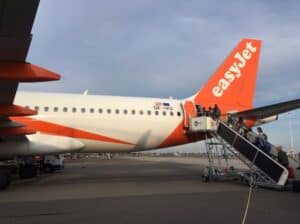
point(189, 111)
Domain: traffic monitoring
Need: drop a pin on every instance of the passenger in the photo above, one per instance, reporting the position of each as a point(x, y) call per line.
point(205, 112)
point(262, 144)
point(282, 157)
point(261, 134)
point(230, 120)
point(210, 111)
point(240, 125)
point(235, 123)
point(267, 147)
point(243, 131)
point(274, 151)
point(199, 110)
point(216, 112)
point(259, 142)
point(251, 136)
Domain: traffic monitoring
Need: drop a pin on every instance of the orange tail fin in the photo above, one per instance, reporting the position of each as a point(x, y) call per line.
point(233, 84)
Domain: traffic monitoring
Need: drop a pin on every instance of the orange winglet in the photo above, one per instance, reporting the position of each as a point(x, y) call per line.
point(16, 131)
point(25, 72)
point(14, 110)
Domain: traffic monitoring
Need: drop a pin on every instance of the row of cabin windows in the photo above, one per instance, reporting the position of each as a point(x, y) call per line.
point(109, 111)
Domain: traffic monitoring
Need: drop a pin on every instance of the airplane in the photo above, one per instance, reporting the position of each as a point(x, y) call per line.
point(39, 123)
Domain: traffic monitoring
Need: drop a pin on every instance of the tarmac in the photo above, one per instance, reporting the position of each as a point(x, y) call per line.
point(140, 190)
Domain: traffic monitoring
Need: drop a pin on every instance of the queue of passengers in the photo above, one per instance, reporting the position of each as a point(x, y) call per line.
point(213, 112)
point(260, 140)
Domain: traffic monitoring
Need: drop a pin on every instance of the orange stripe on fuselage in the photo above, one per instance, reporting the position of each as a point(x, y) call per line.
point(179, 137)
point(60, 130)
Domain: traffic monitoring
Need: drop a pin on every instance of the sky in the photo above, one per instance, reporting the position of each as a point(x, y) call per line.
point(163, 48)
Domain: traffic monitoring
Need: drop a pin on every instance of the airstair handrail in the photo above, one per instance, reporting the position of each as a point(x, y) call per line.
point(258, 149)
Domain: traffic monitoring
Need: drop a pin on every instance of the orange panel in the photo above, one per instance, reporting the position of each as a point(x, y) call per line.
point(178, 137)
point(25, 72)
point(232, 85)
point(189, 111)
point(16, 131)
point(14, 110)
point(250, 123)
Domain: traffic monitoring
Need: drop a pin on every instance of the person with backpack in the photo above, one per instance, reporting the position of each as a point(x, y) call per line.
point(261, 141)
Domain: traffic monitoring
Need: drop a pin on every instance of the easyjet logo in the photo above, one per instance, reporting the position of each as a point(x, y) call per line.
point(235, 70)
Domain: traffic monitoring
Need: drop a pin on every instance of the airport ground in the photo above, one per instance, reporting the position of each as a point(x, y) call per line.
point(140, 190)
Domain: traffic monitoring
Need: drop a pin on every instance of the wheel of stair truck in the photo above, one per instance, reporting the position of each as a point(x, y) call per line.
point(4, 179)
point(48, 168)
point(28, 171)
point(296, 186)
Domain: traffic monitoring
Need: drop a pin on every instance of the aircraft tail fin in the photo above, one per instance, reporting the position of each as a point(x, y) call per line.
point(232, 85)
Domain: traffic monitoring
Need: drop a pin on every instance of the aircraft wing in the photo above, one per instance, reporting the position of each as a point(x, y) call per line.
point(16, 21)
point(270, 110)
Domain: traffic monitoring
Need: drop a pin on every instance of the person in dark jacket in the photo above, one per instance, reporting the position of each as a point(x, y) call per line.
point(199, 110)
point(261, 134)
point(216, 112)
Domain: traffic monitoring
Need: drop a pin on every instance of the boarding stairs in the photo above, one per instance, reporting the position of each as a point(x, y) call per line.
point(263, 169)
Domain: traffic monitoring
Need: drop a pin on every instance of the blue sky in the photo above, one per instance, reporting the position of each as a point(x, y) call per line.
point(164, 48)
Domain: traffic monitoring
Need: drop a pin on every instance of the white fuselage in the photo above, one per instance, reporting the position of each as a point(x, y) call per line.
point(105, 123)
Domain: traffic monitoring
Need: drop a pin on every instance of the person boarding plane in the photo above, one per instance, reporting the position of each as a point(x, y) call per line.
point(37, 123)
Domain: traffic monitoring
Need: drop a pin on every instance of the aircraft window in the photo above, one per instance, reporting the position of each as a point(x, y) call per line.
point(74, 109)
point(92, 110)
point(65, 109)
point(164, 113)
point(46, 109)
point(178, 114)
point(156, 113)
point(117, 111)
point(171, 113)
point(125, 111)
point(133, 112)
point(108, 111)
point(82, 110)
point(55, 109)
point(141, 112)
point(100, 110)
point(149, 112)
point(36, 108)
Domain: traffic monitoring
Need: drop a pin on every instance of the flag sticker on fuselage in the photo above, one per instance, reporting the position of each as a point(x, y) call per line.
point(162, 106)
